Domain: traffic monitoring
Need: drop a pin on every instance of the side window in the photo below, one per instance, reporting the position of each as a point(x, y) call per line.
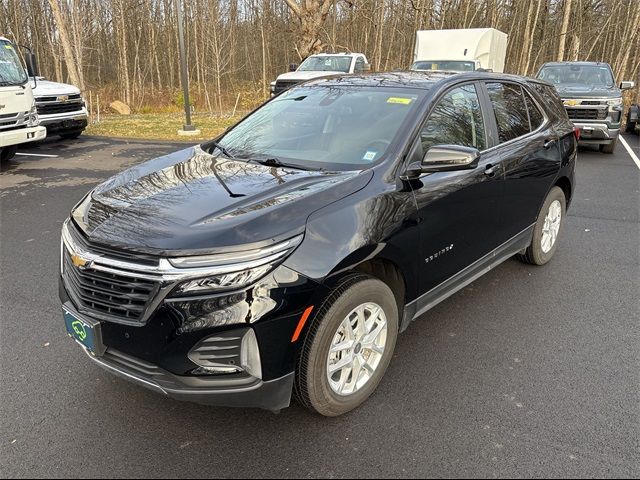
point(359, 68)
point(456, 120)
point(535, 115)
point(510, 110)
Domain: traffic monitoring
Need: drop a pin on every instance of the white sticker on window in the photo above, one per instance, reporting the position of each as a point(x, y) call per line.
point(369, 156)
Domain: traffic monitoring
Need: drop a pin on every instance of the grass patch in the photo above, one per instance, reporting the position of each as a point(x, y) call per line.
point(159, 126)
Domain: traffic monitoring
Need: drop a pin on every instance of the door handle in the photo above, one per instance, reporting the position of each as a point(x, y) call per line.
point(548, 143)
point(490, 171)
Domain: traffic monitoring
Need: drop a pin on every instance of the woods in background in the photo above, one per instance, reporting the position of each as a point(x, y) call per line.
point(128, 49)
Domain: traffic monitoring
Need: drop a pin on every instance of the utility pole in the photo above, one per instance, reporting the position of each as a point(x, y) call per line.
point(188, 128)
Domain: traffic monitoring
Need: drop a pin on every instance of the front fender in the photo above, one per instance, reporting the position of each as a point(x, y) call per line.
point(375, 223)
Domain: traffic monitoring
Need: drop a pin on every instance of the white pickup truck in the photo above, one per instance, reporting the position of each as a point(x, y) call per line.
point(320, 65)
point(19, 121)
point(61, 108)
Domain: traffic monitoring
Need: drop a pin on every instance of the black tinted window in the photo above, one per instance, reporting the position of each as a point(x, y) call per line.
point(456, 120)
point(510, 110)
point(359, 65)
point(535, 115)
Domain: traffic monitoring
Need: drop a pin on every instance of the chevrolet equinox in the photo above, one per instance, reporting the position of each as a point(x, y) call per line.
point(284, 257)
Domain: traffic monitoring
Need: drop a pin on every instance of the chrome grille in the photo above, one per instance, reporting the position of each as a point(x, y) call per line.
point(587, 113)
point(9, 121)
point(107, 295)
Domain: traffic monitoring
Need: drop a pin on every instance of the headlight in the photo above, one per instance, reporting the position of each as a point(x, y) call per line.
point(615, 102)
point(32, 119)
point(229, 271)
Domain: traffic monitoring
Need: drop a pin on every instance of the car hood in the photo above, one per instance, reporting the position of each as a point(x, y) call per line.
point(587, 91)
point(193, 202)
point(45, 87)
point(304, 76)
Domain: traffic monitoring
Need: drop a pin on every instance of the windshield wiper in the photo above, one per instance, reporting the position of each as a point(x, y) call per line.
point(224, 151)
point(274, 162)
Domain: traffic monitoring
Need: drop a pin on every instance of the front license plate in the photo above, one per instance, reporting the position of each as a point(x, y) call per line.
point(86, 333)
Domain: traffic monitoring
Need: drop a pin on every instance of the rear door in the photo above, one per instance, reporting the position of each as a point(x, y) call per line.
point(458, 212)
point(529, 154)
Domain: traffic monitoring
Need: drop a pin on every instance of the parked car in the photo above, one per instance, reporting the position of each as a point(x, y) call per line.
point(592, 99)
point(287, 255)
point(61, 108)
point(320, 65)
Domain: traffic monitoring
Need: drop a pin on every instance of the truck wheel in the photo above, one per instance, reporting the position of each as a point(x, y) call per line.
point(71, 135)
point(609, 147)
point(349, 346)
point(7, 153)
point(547, 230)
point(631, 127)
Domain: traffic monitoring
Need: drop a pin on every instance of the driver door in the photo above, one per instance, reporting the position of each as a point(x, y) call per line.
point(458, 211)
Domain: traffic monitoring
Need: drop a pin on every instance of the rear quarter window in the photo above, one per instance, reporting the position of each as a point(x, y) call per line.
point(552, 102)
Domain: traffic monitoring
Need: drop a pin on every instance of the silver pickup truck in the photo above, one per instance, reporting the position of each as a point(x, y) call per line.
point(592, 99)
point(61, 108)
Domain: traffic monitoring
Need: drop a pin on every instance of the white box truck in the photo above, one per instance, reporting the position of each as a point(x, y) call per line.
point(460, 50)
point(19, 121)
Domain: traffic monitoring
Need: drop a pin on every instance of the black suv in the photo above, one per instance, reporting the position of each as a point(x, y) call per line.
point(286, 256)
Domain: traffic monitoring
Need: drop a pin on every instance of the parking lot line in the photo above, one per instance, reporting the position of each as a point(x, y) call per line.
point(36, 155)
point(630, 150)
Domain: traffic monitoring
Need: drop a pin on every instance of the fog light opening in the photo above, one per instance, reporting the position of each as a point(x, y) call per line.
point(250, 355)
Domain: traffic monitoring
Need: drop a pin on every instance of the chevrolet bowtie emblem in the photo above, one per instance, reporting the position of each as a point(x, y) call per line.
point(78, 261)
point(63, 98)
point(571, 103)
point(2, 106)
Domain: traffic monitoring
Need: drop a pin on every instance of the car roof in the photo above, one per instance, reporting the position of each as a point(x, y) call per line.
point(415, 79)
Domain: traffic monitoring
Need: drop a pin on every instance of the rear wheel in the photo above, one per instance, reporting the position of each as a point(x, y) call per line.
point(349, 346)
point(631, 127)
point(609, 147)
point(547, 230)
point(7, 153)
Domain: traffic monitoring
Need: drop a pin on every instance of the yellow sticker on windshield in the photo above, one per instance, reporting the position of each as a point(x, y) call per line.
point(8, 47)
point(400, 100)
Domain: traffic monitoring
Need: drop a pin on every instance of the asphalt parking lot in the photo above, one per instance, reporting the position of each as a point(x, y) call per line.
point(527, 372)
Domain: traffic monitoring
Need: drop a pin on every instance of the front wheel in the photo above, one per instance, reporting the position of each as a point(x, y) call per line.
point(71, 135)
point(548, 228)
point(609, 147)
point(349, 346)
point(7, 153)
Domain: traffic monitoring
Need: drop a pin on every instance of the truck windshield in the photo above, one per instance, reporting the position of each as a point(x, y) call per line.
point(592, 75)
point(326, 63)
point(450, 65)
point(11, 70)
point(324, 127)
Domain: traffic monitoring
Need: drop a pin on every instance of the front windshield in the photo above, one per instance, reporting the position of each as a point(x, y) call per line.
point(449, 65)
point(11, 71)
point(326, 63)
point(592, 75)
point(324, 127)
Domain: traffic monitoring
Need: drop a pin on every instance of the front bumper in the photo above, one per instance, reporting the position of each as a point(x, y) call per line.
point(596, 132)
point(65, 121)
point(22, 135)
point(227, 391)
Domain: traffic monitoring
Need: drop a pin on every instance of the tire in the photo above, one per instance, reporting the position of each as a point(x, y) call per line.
point(631, 127)
point(7, 153)
point(609, 147)
point(313, 387)
point(71, 135)
point(537, 253)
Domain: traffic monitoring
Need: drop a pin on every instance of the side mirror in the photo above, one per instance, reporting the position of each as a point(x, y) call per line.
point(627, 85)
point(32, 65)
point(293, 67)
point(444, 158)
